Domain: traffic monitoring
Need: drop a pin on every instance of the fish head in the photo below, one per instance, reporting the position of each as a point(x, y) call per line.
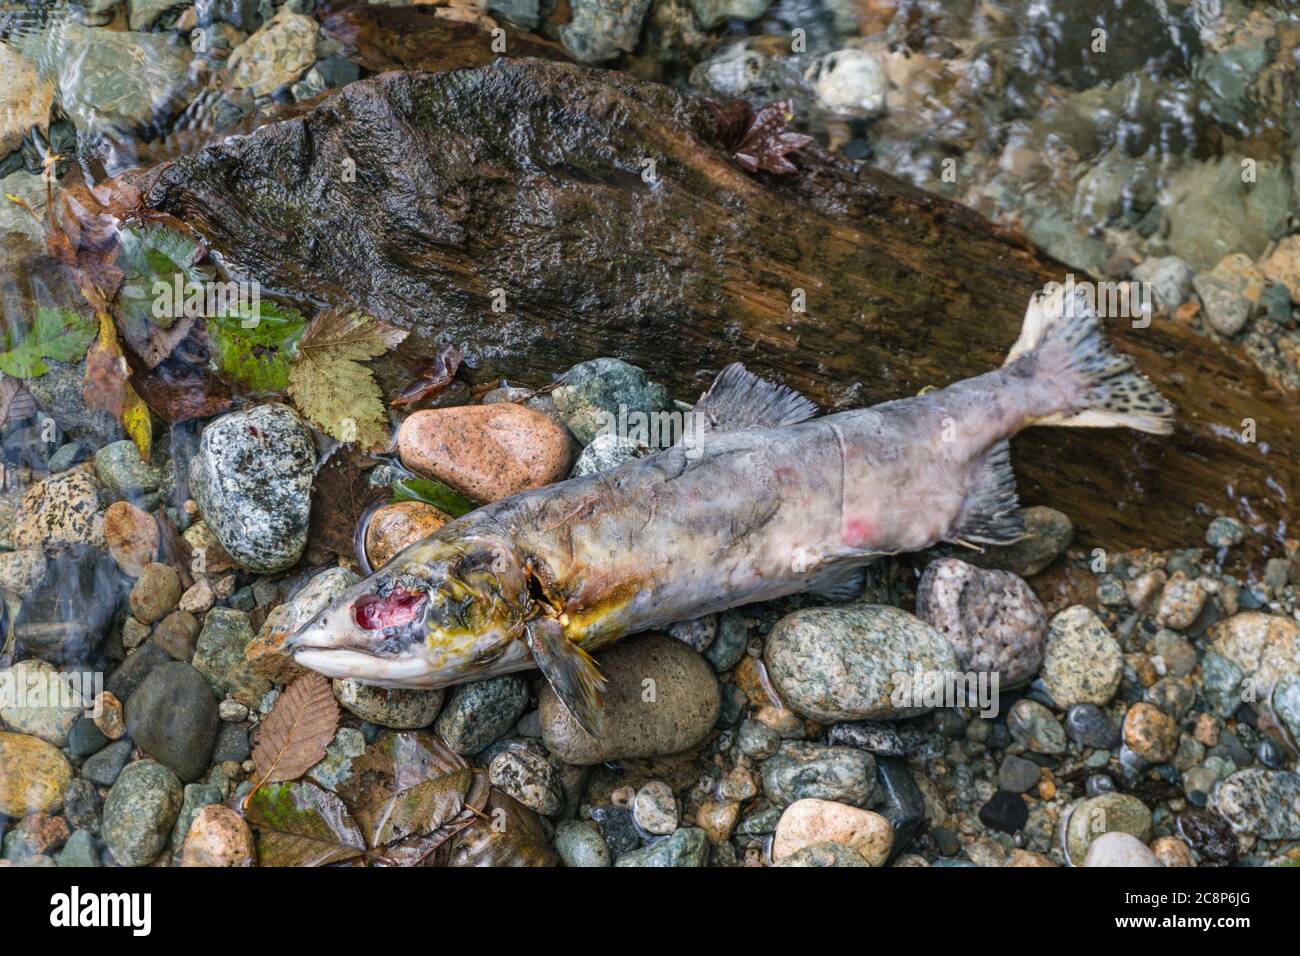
point(440, 612)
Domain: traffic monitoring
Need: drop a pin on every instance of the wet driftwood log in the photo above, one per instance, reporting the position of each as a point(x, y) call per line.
point(526, 176)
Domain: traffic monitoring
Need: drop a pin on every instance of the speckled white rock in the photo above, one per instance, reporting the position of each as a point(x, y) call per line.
point(252, 480)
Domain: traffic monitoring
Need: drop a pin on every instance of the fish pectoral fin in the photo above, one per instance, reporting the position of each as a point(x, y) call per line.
point(990, 514)
point(571, 672)
point(740, 399)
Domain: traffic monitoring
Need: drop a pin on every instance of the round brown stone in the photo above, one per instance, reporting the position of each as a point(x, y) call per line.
point(394, 527)
point(488, 452)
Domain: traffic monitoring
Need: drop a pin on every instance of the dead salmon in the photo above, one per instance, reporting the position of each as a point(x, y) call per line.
point(772, 500)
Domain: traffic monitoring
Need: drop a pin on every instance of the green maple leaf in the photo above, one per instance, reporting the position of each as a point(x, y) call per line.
point(330, 385)
point(256, 356)
point(59, 334)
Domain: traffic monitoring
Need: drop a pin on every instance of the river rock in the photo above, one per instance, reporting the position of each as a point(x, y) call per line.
point(140, 811)
point(395, 526)
point(132, 536)
point(1220, 213)
point(1151, 733)
point(1170, 279)
point(1230, 293)
point(662, 698)
point(110, 79)
point(1282, 266)
point(856, 662)
point(177, 634)
point(480, 712)
point(252, 480)
point(1033, 725)
point(156, 592)
point(218, 837)
point(103, 768)
point(398, 708)
point(172, 716)
point(600, 30)
point(579, 843)
point(809, 822)
point(599, 394)
point(22, 571)
point(654, 808)
point(1181, 601)
point(62, 509)
point(850, 83)
point(127, 477)
point(823, 855)
point(801, 770)
point(1265, 803)
point(1107, 813)
point(526, 775)
point(36, 699)
point(1082, 662)
point(1258, 652)
point(25, 102)
point(276, 55)
point(219, 656)
point(710, 13)
point(687, 846)
point(35, 775)
point(992, 619)
point(1119, 849)
point(488, 452)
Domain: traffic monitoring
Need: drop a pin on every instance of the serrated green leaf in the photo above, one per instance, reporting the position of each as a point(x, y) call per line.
point(256, 358)
point(59, 334)
point(152, 253)
point(434, 493)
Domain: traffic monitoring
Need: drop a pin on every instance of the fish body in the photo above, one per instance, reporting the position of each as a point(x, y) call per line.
point(767, 501)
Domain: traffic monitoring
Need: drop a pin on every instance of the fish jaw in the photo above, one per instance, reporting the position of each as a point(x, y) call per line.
point(441, 612)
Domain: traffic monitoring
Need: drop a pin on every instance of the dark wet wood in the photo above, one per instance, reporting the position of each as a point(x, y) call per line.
point(526, 176)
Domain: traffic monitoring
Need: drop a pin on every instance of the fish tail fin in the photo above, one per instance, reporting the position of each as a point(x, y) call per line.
point(1105, 388)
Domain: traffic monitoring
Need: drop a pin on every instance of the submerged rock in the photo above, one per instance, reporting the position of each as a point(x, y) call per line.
point(109, 79)
point(140, 811)
point(61, 510)
point(252, 480)
point(172, 716)
point(35, 776)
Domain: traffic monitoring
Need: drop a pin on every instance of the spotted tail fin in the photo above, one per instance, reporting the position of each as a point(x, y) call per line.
point(1107, 390)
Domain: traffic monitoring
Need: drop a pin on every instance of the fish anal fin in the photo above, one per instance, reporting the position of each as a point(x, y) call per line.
point(740, 399)
point(990, 513)
point(839, 583)
point(572, 673)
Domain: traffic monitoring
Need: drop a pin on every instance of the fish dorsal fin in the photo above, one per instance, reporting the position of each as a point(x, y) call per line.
point(740, 399)
point(571, 672)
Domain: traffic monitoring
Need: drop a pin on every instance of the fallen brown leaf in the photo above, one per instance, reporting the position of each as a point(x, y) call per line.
point(294, 735)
